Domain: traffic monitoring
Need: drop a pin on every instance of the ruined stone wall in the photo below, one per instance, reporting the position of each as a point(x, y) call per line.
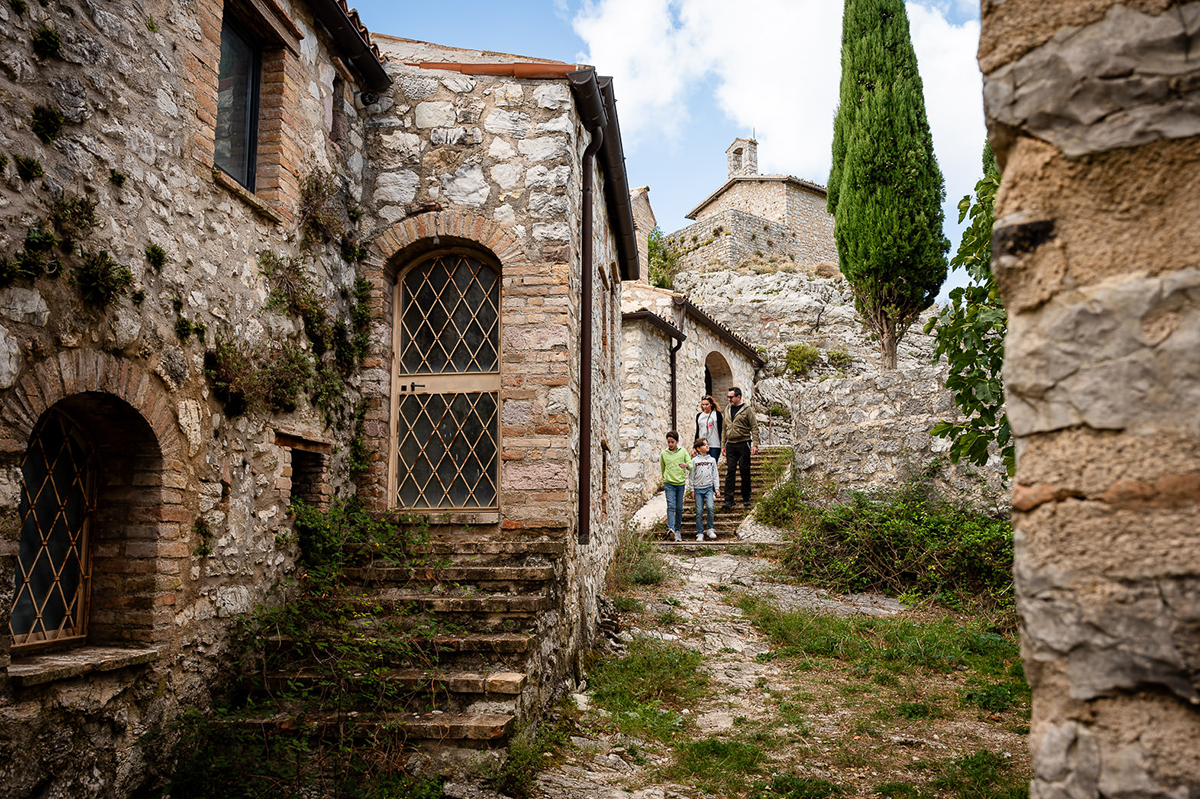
point(494, 164)
point(726, 239)
point(811, 226)
point(1089, 109)
point(136, 94)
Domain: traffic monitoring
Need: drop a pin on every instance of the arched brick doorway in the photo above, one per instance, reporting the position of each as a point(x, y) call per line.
point(91, 511)
point(718, 377)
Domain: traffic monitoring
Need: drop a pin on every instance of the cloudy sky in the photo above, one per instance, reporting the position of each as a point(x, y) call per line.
point(692, 75)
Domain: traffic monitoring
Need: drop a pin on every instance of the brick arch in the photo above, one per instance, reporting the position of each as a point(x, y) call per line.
point(141, 524)
point(454, 224)
point(79, 371)
point(388, 252)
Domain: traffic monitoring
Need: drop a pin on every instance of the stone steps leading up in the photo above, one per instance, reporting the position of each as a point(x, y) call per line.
point(418, 689)
point(490, 729)
point(726, 522)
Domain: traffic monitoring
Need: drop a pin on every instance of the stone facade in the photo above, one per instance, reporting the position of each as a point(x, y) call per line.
point(191, 526)
point(1090, 111)
point(769, 217)
point(709, 360)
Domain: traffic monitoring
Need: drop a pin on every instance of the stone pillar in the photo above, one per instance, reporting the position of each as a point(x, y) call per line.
point(1093, 109)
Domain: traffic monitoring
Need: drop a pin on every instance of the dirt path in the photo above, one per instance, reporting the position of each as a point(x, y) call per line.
point(813, 721)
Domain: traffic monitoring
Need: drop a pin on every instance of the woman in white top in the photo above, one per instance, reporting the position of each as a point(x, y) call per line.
point(708, 425)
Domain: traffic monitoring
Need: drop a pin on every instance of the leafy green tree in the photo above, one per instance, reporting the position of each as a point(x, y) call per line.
point(885, 188)
point(969, 332)
point(663, 260)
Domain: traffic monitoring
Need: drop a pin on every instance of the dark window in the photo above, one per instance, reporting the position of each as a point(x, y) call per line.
point(57, 502)
point(237, 103)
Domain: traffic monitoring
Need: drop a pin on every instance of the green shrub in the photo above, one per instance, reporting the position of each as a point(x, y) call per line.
point(73, 217)
point(663, 260)
point(117, 177)
point(19, 6)
point(47, 123)
point(101, 279)
point(902, 540)
point(156, 256)
point(47, 43)
point(322, 210)
point(839, 358)
point(257, 381)
point(801, 358)
point(716, 765)
point(28, 169)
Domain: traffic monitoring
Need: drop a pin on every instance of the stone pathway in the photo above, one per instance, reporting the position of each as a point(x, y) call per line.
point(612, 766)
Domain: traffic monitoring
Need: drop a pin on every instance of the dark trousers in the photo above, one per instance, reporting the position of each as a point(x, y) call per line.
point(737, 458)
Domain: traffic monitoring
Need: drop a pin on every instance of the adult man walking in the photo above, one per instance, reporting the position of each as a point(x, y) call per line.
point(741, 441)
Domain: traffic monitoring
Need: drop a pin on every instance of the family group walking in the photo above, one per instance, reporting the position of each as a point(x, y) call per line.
point(737, 438)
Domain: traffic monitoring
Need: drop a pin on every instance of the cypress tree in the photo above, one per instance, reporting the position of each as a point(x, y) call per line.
point(885, 188)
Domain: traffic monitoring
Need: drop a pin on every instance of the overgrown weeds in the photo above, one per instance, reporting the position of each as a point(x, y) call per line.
point(645, 689)
point(532, 749)
point(905, 541)
point(637, 561)
point(717, 765)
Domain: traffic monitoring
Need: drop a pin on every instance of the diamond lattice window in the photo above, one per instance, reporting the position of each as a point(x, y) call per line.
point(56, 507)
point(446, 389)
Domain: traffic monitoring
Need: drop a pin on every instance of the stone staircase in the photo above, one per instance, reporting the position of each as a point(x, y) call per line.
point(450, 642)
point(727, 521)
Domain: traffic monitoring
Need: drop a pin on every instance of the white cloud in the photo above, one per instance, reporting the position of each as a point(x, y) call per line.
point(773, 66)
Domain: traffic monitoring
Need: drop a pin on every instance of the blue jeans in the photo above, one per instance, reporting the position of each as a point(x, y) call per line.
point(674, 506)
point(704, 504)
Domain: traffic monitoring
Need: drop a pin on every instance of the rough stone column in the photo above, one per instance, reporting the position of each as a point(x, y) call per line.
point(1094, 111)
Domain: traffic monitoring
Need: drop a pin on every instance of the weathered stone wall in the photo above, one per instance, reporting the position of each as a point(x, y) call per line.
point(811, 226)
point(763, 198)
point(494, 164)
point(139, 98)
point(643, 223)
point(873, 429)
point(1090, 110)
point(726, 239)
point(646, 402)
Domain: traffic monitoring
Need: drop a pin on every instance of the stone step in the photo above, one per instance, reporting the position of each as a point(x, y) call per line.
point(464, 551)
point(692, 545)
point(486, 728)
point(465, 650)
point(490, 579)
point(492, 684)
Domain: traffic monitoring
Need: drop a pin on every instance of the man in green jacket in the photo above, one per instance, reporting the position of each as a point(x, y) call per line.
point(741, 441)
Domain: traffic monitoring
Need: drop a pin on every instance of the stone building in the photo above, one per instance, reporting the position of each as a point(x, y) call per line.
point(1089, 111)
point(227, 232)
point(673, 353)
point(756, 216)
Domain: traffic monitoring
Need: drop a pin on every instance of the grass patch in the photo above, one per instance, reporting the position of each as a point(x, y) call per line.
point(872, 644)
point(801, 358)
point(637, 561)
point(919, 710)
point(529, 752)
point(785, 786)
point(903, 540)
point(716, 765)
point(627, 604)
point(982, 775)
point(645, 688)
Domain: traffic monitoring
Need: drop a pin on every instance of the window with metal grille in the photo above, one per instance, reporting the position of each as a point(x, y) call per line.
point(446, 443)
point(58, 487)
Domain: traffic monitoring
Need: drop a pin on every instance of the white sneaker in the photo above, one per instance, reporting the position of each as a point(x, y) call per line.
point(699, 536)
point(711, 533)
point(678, 537)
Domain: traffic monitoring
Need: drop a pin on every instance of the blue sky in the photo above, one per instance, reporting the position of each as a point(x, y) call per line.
point(692, 75)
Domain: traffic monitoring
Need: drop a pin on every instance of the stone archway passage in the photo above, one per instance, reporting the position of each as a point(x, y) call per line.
point(718, 377)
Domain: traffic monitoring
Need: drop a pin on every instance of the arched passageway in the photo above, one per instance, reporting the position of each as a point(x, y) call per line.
point(718, 377)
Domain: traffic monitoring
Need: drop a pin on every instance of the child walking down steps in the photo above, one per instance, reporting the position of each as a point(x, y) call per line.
point(703, 477)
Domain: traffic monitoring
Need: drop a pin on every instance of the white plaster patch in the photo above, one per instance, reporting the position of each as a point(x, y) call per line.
point(166, 103)
point(435, 114)
point(541, 177)
point(501, 150)
point(466, 186)
point(23, 305)
point(396, 187)
point(507, 175)
point(543, 148)
point(189, 422)
point(507, 123)
point(459, 84)
point(10, 359)
point(551, 231)
point(552, 95)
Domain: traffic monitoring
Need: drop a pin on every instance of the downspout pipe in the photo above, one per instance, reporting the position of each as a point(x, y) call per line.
point(591, 111)
point(674, 387)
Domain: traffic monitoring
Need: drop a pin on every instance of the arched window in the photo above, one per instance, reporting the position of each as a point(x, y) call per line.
point(53, 581)
point(446, 384)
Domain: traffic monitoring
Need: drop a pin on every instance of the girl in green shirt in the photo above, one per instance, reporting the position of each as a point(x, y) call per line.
point(673, 464)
